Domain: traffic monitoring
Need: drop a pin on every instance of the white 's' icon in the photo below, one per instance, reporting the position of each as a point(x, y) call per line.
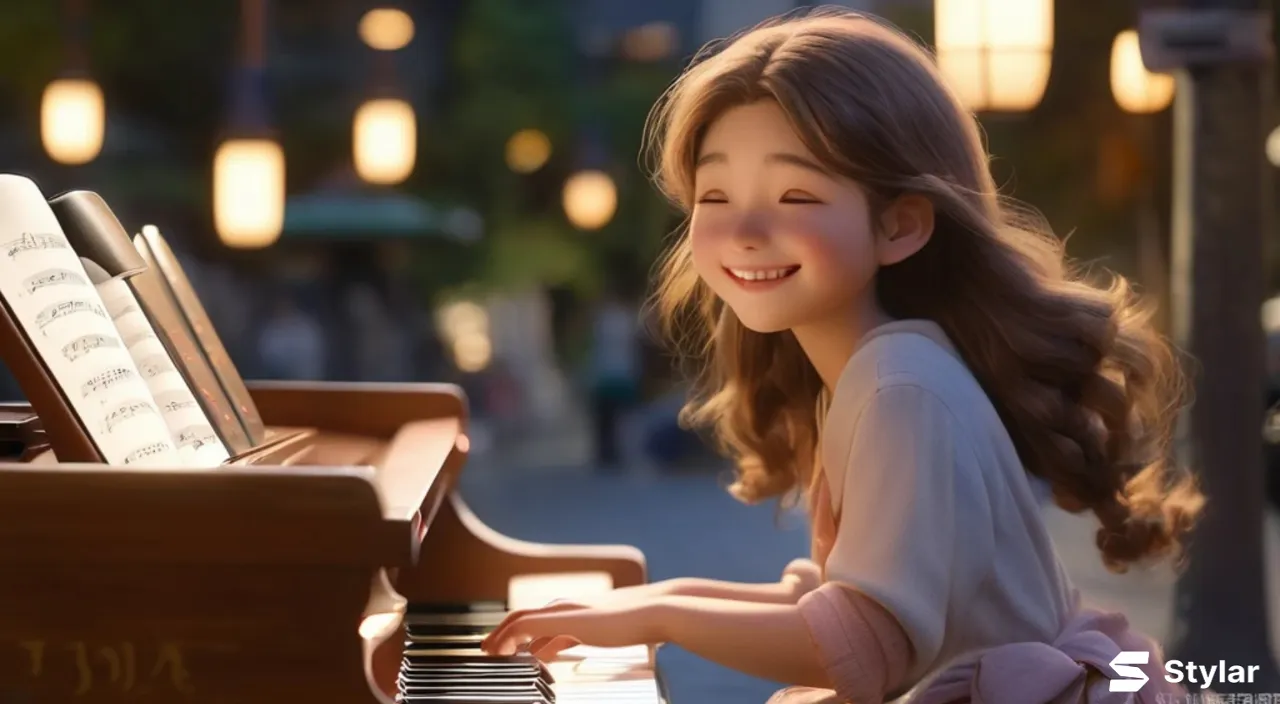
point(1129, 678)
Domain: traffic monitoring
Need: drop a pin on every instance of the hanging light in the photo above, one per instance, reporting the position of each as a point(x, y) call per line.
point(384, 131)
point(386, 29)
point(995, 54)
point(72, 120)
point(590, 199)
point(72, 110)
point(385, 140)
point(248, 192)
point(249, 166)
point(1136, 89)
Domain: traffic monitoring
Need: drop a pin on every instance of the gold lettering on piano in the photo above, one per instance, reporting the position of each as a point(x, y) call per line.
point(122, 667)
point(171, 659)
point(35, 649)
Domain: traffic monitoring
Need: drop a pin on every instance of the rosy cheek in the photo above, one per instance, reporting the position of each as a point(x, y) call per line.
point(706, 238)
point(823, 243)
point(809, 241)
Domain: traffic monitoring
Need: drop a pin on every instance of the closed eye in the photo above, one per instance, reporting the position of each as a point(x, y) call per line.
point(714, 197)
point(795, 197)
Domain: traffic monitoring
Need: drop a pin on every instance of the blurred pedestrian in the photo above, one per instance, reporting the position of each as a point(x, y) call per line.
point(613, 375)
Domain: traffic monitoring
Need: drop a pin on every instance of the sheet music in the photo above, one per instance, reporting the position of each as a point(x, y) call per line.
point(190, 427)
point(67, 323)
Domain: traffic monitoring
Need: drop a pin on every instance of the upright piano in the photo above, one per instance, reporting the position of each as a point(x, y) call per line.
point(333, 561)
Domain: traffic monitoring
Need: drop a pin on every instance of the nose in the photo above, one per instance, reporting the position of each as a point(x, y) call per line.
point(750, 232)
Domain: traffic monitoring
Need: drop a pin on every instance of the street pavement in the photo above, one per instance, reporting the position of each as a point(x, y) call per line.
point(543, 489)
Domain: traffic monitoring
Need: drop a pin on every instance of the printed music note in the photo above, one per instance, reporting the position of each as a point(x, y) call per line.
point(188, 425)
point(47, 291)
point(196, 437)
point(154, 365)
point(147, 451)
point(32, 242)
point(129, 410)
point(175, 404)
point(85, 344)
point(65, 309)
point(107, 380)
point(53, 277)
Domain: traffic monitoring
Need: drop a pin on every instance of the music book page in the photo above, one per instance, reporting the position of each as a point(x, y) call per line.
point(67, 323)
point(190, 427)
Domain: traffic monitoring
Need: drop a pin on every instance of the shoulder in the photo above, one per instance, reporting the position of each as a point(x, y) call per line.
point(902, 364)
point(905, 390)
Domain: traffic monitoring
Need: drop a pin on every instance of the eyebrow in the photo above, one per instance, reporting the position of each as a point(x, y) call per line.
point(775, 158)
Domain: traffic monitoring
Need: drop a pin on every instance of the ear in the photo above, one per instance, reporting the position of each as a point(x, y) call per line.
point(905, 228)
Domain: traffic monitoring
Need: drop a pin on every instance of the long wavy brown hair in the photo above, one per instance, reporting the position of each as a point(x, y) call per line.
point(1089, 390)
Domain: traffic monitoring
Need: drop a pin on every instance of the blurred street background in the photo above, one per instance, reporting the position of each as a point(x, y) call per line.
point(448, 191)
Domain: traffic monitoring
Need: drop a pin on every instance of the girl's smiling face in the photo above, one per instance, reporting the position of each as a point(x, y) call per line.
point(781, 239)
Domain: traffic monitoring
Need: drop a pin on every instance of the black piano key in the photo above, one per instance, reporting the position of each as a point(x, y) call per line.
point(443, 661)
point(504, 678)
point(457, 608)
point(444, 641)
point(464, 698)
point(446, 657)
point(426, 623)
point(470, 684)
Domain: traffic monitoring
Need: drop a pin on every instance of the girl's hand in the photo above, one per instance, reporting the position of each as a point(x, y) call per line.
point(546, 631)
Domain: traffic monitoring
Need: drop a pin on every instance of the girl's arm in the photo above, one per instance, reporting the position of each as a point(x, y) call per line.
point(799, 578)
point(770, 641)
point(835, 638)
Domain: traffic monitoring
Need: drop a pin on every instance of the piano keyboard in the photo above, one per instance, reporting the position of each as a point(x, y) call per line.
point(443, 664)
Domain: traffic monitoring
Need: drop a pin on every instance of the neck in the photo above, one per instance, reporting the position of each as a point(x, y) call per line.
point(831, 341)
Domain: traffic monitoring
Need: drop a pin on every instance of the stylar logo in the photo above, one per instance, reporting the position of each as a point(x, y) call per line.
point(1129, 678)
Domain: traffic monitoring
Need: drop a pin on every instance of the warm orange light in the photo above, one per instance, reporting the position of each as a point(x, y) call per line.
point(72, 120)
point(386, 29)
point(249, 192)
point(385, 139)
point(1136, 89)
point(590, 199)
point(995, 54)
point(528, 151)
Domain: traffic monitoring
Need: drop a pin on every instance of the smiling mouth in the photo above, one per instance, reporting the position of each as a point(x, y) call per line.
point(761, 275)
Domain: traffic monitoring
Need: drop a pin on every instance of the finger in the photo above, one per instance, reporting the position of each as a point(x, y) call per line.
point(532, 628)
point(547, 648)
point(492, 642)
point(511, 618)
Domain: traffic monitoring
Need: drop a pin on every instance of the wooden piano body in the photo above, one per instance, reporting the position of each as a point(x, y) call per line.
point(279, 578)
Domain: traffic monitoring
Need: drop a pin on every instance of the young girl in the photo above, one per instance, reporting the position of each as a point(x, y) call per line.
point(880, 336)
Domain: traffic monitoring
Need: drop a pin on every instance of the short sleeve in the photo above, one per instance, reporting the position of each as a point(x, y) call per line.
point(898, 534)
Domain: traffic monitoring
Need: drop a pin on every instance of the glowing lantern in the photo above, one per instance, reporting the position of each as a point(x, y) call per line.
point(72, 120)
point(1136, 89)
point(995, 54)
point(248, 192)
point(385, 139)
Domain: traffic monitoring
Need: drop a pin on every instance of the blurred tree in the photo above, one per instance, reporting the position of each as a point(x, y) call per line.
point(516, 67)
point(511, 68)
point(629, 246)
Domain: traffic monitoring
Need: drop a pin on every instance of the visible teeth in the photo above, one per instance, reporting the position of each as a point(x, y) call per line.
point(761, 274)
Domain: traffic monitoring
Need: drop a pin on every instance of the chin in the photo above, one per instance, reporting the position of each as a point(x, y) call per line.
point(763, 322)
